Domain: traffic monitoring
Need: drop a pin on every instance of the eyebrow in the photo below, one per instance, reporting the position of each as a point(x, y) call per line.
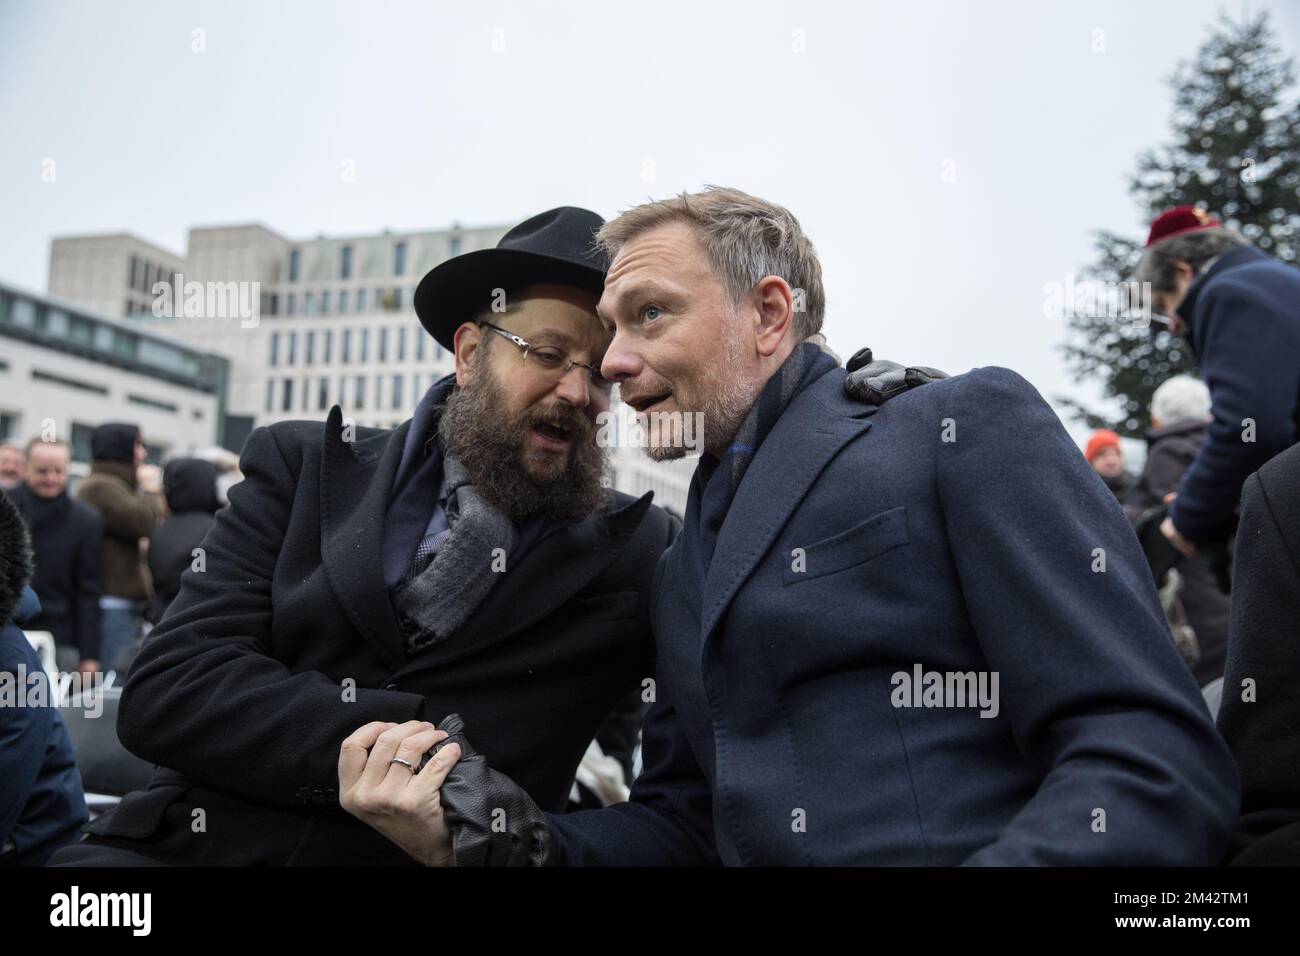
point(642, 290)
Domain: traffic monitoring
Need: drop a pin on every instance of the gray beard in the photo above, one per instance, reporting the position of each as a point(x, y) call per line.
point(475, 427)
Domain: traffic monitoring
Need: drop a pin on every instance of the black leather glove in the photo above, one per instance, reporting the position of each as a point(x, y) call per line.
point(876, 382)
point(493, 822)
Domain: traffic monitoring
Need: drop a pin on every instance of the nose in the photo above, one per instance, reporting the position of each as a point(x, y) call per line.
point(574, 387)
point(621, 360)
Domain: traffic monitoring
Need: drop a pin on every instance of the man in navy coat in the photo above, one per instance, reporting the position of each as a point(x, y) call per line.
point(915, 632)
point(1239, 309)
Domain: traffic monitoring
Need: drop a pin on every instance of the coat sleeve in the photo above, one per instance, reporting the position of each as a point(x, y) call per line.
point(126, 514)
point(24, 736)
point(1132, 769)
point(668, 819)
point(1240, 347)
point(90, 550)
point(206, 697)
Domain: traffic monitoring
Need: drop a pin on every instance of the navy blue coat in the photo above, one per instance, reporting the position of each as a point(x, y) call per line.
point(42, 806)
point(1243, 320)
point(773, 738)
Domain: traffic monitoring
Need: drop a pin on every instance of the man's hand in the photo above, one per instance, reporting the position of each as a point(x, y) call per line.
point(404, 806)
point(88, 665)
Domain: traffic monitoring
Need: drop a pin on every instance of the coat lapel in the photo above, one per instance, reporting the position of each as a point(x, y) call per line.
point(811, 431)
point(548, 574)
point(354, 483)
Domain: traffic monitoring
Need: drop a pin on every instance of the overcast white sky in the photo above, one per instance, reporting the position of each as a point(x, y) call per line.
point(491, 111)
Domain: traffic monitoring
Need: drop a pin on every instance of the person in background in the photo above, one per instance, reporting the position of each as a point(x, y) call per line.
point(42, 804)
point(13, 466)
point(190, 485)
point(67, 537)
point(1180, 415)
point(1107, 460)
point(130, 515)
point(1239, 309)
point(1260, 713)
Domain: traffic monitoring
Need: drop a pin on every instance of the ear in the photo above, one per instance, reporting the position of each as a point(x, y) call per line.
point(775, 317)
point(466, 342)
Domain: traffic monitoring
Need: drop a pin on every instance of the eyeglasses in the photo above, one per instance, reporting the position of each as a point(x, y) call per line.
point(551, 361)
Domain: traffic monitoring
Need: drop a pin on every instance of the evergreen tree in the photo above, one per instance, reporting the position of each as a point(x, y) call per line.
point(1235, 151)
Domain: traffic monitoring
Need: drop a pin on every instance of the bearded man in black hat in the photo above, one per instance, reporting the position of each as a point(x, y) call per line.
point(366, 582)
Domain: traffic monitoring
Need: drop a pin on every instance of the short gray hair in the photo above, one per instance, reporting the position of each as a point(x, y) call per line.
point(1180, 399)
point(747, 238)
point(1157, 265)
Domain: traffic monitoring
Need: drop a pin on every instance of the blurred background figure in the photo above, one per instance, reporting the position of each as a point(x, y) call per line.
point(67, 537)
point(190, 485)
point(1260, 713)
point(130, 514)
point(42, 804)
point(1107, 460)
point(1180, 415)
point(13, 466)
point(1239, 309)
point(228, 473)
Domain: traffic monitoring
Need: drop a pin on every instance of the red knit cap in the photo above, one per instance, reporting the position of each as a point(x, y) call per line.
point(1101, 438)
point(1179, 220)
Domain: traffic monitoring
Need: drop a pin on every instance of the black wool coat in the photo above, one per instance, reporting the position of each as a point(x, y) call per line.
point(288, 642)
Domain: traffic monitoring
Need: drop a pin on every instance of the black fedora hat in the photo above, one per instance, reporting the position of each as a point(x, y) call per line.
point(555, 247)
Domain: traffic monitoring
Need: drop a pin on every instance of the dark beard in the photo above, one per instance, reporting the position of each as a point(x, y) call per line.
point(475, 427)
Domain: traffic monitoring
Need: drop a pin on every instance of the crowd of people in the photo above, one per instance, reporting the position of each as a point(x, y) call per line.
point(884, 574)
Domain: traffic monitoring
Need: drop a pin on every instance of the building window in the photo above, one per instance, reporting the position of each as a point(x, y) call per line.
point(325, 351)
point(453, 246)
point(293, 349)
point(343, 387)
point(292, 307)
point(419, 346)
point(345, 262)
point(365, 346)
point(275, 349)
point(270, 394)
point(399, 259)
point(343, 301)
point(309, 304)
point(401, 344)
point(322, 394)
point(359, 392)
point(397, 391)
point(361, 301)
point(383, 344)
point(310, 351)
point(397, 299)
point(325, 302)
point(295, 264)
point(275, 303)
point(286, 395)
point(346, 347)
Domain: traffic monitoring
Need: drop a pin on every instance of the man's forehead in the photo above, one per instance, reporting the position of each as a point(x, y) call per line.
point(663, 255)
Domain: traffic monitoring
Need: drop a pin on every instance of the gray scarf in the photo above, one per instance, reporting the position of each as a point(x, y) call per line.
point(478, 542)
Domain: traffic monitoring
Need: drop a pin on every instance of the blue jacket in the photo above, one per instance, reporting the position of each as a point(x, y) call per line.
point(42, 805)
point(1243, 320)
point(775, 737)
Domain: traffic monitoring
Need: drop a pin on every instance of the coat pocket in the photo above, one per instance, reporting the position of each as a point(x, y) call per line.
point(866, 540)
